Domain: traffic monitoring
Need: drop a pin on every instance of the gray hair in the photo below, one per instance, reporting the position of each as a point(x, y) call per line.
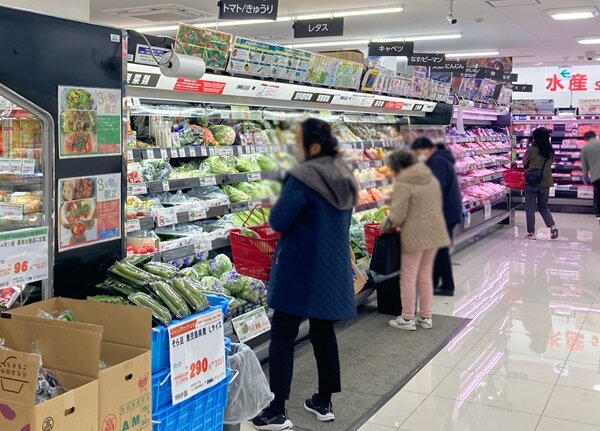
point(400, 160)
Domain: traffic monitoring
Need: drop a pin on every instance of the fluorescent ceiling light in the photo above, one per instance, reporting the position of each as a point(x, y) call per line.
point(368, 12)
point(157, 29)
point(213, 24)
point(418, 38)
point(314, 16)
point(589, 41)
point(331, 43)
point(472, 54)
point(573, 13)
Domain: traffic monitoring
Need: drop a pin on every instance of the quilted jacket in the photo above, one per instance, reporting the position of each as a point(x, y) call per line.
point(417, 210)
point(312, 274)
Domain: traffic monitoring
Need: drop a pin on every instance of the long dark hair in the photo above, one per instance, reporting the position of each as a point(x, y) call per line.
point(316, 131)
point(541, 140)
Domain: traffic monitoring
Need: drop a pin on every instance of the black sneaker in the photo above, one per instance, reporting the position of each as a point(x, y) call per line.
point(323, 412)
point(266, 421)
point(440, 291)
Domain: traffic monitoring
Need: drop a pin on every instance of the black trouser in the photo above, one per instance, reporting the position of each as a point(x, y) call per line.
point(284, 330)
point(597, 198)
point(443, 276)
point(536, 199)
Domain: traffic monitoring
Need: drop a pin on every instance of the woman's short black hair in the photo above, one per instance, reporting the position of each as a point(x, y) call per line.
point(400, 160)
point(316, 131)
point(589, 135)
point(422, 143)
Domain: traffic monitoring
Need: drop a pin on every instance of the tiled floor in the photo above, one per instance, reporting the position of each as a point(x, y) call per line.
point(530, 359)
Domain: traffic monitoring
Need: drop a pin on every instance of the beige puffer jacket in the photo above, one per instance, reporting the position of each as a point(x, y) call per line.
point(417, 210)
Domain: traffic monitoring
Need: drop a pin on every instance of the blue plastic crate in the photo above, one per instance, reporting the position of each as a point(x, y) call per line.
point(160, 335)
point(204, 412)
point(221, 301)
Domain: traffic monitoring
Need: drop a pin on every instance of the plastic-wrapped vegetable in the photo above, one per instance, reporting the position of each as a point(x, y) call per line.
point(171, 299)
point(66, 315)
point(265, 162)
point(159, 311)
point(225, 135)
point(219, 165)
point(229, 279)
point(156, 170)
point(48, 386)
point(247, 164)
point(211, 284)
point(108, 299)
point(234, 194)
point(202, 269)
point(220, 265)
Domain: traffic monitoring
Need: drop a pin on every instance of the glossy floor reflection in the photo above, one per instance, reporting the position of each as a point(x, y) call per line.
point(530, 358)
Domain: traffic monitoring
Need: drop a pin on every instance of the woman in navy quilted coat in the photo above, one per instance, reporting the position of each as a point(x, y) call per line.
point(312, 274)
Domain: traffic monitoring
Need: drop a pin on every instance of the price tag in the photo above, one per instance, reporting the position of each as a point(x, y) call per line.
point(585, 192)
point(487, 207)
point(166, 186)
point(133, 225)
point(165, 216)
point(11, 211)
point(164, 154)
point(208, 181)
point(197, 353)
point(262, 148)
point(4, 166)
point(28, 167)
point(15, 166)
point(175, 139)
point(25, 256)
point(182, 152)
point(197, 215)
point(467, 216)
point(193, 152)
point(129, 154)
point(150, 154)
point(552, 192)
point(225, 151)
point(252, 324)
point(137, 189)
point(204, 151)
point(254, 176)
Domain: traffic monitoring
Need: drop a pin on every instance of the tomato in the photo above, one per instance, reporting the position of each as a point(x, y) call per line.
point(150, 249)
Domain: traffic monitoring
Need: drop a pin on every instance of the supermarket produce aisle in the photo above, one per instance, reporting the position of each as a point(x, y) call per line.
point(530, 359)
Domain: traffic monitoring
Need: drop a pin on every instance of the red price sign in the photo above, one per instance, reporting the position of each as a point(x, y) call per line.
point(198, 367)
point(20, 267)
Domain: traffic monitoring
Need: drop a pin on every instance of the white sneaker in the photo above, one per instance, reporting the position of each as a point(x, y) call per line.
point(405, 325)
point(425, 323)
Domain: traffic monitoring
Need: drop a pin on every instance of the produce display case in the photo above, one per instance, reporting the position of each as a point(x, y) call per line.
point(569, 191)
point(26, 138)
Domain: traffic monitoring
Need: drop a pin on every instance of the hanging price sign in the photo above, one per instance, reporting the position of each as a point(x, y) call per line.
point(165, 216)
point(467, 216)
point(197, 351)
point(25, 256)
point(584, 192)
point(252, 324)
point(487, 208)
point(133, 225)
point(194, 215)
point(208, 181)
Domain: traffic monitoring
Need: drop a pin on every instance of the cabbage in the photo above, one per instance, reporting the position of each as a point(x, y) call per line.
point(211, 284)
point(257, 285)
point(224, 135)
point(265, 163)
point(218, 166)
point(220, 265)
point(202, 269)
point(234, 194)
point(229, 278)
point(239, 285)
point(247, 164)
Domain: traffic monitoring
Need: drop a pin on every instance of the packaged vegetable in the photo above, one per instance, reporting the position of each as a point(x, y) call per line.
point(220, 265)
point(224, 135)
point(234, 194)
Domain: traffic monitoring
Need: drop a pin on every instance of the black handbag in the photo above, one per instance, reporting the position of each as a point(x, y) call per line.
point(535, 176)
point(386, 255)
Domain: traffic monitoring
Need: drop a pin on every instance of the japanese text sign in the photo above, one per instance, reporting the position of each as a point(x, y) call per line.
point(251, 325)
point(319, 27)
point(24, 256)
point(523, 88)
point(565, 80)
point(391, 49)
point(248, 9)
point(424, 59)
point(197, 351)
point(456, 67)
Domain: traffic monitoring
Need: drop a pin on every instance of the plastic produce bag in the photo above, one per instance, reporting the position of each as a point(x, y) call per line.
point(249, 392)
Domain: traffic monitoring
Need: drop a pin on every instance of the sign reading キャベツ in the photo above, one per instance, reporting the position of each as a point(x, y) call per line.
point(248, 9)
point(319, 28)
point(391, 49)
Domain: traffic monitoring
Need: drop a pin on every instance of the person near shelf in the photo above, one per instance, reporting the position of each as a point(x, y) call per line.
point(590, 162)
point(312, 275)
point(441, 162)
point(539, 156)
point(417, 212)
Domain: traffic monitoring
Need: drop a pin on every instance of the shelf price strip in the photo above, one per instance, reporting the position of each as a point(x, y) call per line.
point(197, 353)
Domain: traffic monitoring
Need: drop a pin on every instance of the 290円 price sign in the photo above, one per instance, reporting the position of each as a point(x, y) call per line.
point(197, 351)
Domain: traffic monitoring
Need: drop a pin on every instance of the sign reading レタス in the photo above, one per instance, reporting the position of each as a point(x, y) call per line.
point(391, 49)
point(424, 59)
point(197, 351)
point(319, 27)
point(248, 9)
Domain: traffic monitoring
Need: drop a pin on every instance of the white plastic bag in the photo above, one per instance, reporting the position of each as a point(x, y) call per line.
point(249, 392)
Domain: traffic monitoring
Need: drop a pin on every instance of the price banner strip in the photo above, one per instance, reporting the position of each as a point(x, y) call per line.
point(197, 351)
point(252, 324)
point(24, 257)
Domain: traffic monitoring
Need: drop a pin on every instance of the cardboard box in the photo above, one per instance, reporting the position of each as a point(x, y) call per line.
point(349, 54)
point(125, 387)
point(71, 354)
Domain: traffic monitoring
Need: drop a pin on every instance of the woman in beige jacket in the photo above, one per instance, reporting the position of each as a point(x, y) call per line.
point(417, 212)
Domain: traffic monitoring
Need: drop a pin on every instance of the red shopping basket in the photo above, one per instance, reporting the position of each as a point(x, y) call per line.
point(514, 179)
point(372, 232)
point(253, 256)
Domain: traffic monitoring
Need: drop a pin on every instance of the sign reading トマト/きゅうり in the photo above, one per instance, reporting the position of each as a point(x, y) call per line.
point(248, 9)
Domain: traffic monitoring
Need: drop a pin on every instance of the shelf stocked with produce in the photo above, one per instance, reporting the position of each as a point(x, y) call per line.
point(567, 141)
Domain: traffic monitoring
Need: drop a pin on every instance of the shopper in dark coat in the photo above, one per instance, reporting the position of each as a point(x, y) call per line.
point(312, 273)
point(441, 162)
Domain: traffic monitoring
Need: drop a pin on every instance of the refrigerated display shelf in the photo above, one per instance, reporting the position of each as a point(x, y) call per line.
point(468, 168)
point(480, 180)
point(202, 151)
point(374, 184)
point(372, 205)
point(484, 151)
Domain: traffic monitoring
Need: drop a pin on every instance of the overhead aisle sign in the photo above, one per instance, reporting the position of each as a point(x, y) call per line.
point(319, 28)
point(391, 49)
point(248, 9)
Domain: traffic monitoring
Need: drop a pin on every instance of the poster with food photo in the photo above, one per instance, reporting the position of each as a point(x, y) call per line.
point(89, 122)
point(89, 210)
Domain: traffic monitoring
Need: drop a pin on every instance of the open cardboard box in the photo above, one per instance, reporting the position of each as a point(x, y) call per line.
point(70, 353)
point(125, 387)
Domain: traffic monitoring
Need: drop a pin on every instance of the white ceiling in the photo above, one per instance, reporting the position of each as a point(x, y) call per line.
point(525, 32)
